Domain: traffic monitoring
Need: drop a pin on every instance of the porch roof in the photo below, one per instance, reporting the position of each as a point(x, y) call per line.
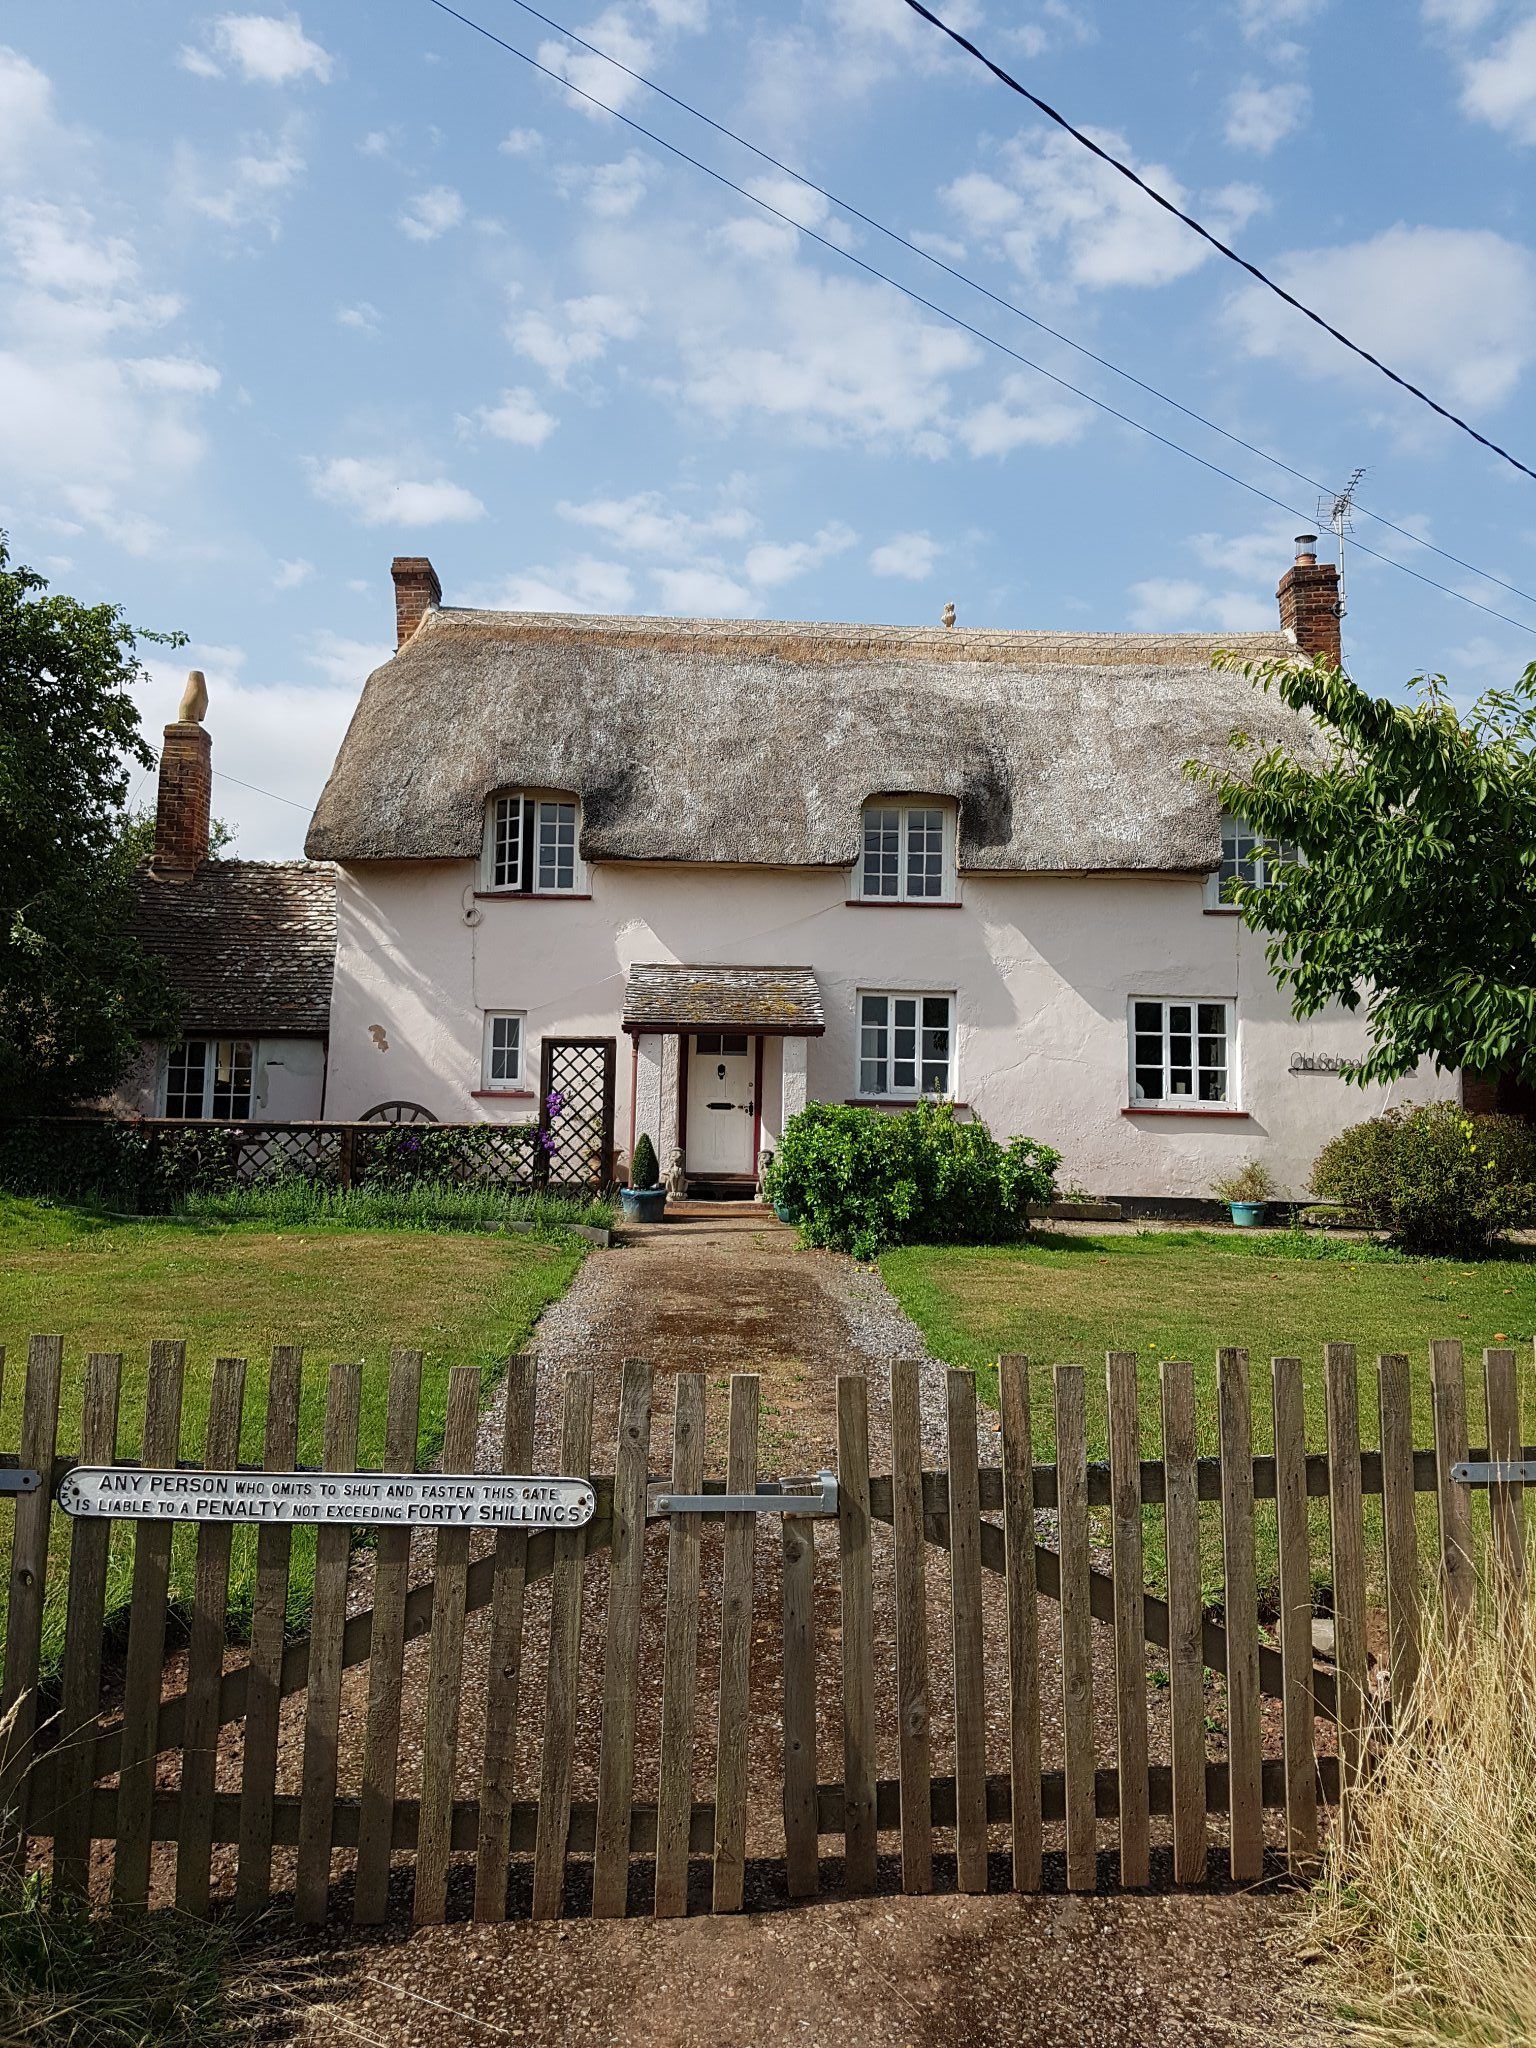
point(779, 1002)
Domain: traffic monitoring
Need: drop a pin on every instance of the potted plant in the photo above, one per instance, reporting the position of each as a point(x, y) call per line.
point(645, 1199)
point(1247, 1193)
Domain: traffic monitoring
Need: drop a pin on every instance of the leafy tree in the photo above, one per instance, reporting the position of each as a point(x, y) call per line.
point(77, 992)
point(1415, 891)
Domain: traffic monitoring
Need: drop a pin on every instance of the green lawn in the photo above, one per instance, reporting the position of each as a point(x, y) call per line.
point(461, 1297)
point(1184, 1294)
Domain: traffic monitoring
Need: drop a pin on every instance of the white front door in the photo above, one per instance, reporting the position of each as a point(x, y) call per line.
point(722, 1116)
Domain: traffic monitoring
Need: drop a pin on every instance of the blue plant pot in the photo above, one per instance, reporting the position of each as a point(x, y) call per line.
point(1247, 1215)
point(643, 1205)
point(784, 1215)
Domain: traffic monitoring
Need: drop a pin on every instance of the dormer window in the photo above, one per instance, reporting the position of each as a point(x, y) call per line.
point(530, 844)
point(1246, 856)
point(908, 852)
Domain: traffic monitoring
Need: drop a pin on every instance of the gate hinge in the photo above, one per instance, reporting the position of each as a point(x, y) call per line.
point(769, 1499)
point(1517, 1472)
point(22, 1481)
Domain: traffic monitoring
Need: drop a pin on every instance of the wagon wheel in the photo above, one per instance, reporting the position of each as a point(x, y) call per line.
point(397, 1113)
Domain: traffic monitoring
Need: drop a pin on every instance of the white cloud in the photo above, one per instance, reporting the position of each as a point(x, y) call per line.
point(912, 555)
point(1261, 116)
point(26, 107)
point(517, 416)
point(1173, 604)
point(616, 32)
point(521, 142)
point(610, 191)
point(771, 563)
point(1262, 18)
point(1454, 306)
point(376, 494)
point(183, 374)
point(704, 593)
point(646, 525)
point(375, 143)
point(1501, 87)
point(248, 191)
point(1459, 15)
point(1027, 415)
point(346, 662)
point(581, 333)
point(583, 584)
point(364, 317)
point(1260, 557)
point(289, 575)
point(432, 213)
point(266, 49)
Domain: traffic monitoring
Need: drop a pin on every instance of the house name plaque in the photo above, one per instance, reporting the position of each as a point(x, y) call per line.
point(1318, 1063)
point(426, 1500)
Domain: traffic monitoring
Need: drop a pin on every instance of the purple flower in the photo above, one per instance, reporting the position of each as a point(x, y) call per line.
point(413, 1144)
point(548, 1140)
point(554, 1102)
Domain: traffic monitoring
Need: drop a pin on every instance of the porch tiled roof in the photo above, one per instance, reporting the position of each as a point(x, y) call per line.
point(780, 1001)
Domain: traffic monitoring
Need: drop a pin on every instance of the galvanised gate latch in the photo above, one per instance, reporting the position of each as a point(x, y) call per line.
point(19, 1481)
point(769, 1499)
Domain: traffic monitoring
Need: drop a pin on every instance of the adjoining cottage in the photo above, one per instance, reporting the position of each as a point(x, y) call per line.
point(780, 862)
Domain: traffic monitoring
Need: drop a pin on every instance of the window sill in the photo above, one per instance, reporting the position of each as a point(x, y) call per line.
point(903, 903)
point(898, 1101)
point(533, 895)
point(503, 1094)
point(1222, 910)
point(1170, 1109)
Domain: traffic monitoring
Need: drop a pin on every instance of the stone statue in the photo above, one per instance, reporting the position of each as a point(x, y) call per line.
point(949, 613)
point(194, 698)
point(677, 1178)
point(764, 1161)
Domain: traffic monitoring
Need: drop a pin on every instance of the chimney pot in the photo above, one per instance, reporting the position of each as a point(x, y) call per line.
point(184, 796)
point(416, 591)
point(1306, 548)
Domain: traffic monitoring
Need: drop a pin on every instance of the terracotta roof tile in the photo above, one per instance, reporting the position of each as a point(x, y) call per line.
point(249, 945)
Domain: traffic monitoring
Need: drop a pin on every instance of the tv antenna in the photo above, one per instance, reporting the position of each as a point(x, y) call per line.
point(1338, 515)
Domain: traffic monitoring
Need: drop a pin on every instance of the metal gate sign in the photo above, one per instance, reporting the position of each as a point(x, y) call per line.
point(412, 1499)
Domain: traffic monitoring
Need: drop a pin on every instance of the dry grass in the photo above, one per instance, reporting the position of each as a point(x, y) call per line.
point(1428, 1912)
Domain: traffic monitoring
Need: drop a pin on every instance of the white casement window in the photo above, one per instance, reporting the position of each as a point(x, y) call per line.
point(1181, 1050)
point(210, 1078)
point(909, 853)
point(906, 1045)
point(530, 845)
point(1246, 856)
point(503, 1063)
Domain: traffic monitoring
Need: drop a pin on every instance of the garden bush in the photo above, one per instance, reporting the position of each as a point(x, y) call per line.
point(862, 1180)
point(1434, 1177)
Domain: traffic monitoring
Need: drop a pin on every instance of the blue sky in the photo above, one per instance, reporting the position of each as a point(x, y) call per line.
point(284, 294)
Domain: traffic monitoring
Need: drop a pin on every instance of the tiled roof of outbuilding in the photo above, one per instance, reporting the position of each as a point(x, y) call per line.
point(249, 945)
point(662, 996)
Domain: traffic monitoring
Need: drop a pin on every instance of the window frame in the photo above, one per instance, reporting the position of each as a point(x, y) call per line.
point(893, 1092)
point(491, 1083)
point(1193, 1103)
point(905, 809)
point(211, 1082)
point(531, 807)
point(1236, 830)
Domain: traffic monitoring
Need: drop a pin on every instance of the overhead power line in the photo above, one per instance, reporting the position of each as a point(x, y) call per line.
point(943, 313)
point(1010, 306)
point(1253, 270)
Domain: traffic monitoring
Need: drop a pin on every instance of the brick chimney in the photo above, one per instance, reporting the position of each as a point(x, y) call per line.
point(1309, 603)
point(416, 589)
point(183, 807)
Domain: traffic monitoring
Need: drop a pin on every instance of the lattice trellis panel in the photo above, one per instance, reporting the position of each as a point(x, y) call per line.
point(576, 1112)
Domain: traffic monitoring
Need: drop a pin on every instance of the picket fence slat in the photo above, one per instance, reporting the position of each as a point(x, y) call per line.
point(965, 1629)
point(798, 1605)
point(1448, 1391)
point(1186, 1674)
point(680, 1655)
point(910, 1562)
point(146, 1635)
point(386, 1654)
point(731, 1757)
point(1506, 1500)
point(564, 1663)
point(205, 1649)
point(621, 1657)
point(90, 1543)
point(504, 1655)
point(328, 1614)
point(1400, 1539)
point(1245, 1733)
point(1298, 1707)
point(1130, 1621)
point(445, 1664)
point(1348, 1538)
point(1076, 1629)
point(269, 1630)
point(29, 1576)
point(858, 1601)
point(1023, 1622)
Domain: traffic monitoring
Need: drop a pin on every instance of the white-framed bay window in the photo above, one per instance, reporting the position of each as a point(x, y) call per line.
point(531, 844)
point(1183, 1051)
point(503, 1059)
point(210, 1078)
point(907, 852)
point(906, 1044)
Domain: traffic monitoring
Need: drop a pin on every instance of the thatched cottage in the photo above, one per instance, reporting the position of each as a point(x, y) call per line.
point(766, 863)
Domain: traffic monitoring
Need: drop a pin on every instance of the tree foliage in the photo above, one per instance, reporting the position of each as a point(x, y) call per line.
point(77, 991)
point(1415, 892)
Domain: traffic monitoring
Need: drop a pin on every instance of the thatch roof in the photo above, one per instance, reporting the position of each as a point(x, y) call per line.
point(722, 740)
point(779, 1001)
point(248, 945)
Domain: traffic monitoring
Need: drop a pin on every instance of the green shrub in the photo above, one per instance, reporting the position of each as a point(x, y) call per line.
point(1434, 1177)
point(862, 1180)
point(644, 1172)
point(1252, 1182)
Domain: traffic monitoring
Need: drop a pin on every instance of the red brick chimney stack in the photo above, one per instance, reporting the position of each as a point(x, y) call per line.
point(184, 804)
point(416, 589)
point(1309, 603)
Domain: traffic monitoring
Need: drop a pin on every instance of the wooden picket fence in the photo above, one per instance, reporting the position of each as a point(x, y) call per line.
point(137, 1766)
